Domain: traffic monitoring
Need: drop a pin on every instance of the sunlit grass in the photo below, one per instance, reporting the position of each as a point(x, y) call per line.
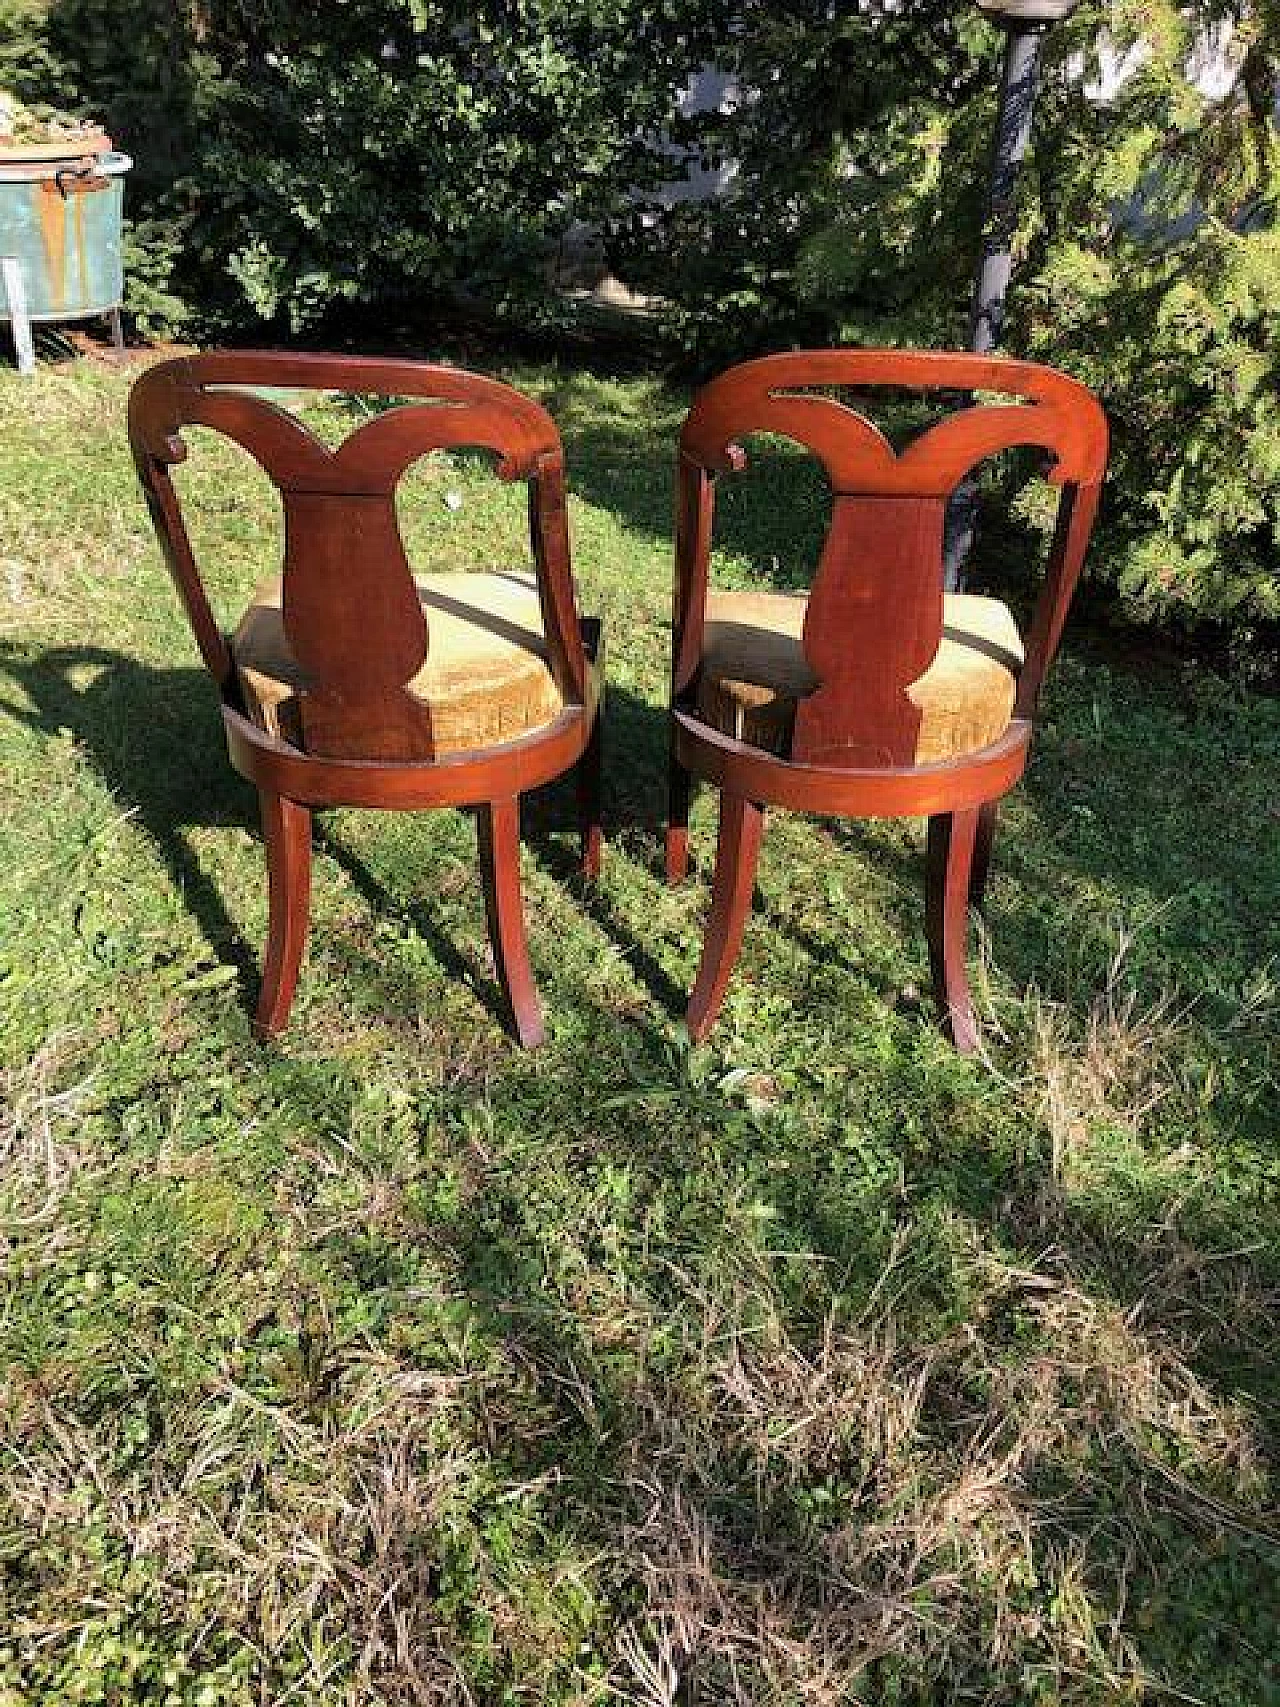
point(819, 1365)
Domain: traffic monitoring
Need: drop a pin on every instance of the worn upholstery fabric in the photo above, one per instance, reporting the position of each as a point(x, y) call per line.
point(486, 678)
point(754, 670)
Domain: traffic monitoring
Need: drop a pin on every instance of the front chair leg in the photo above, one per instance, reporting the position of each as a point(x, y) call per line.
point(286, 827)
point(590, 767)
point(499, 836)
point(737, 850)
point(952, 837)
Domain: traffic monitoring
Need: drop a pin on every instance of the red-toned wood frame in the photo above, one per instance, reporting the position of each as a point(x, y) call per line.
point(872, 626)
point(355, 623)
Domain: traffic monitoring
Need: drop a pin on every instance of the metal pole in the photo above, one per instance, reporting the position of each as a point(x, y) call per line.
point(1013, 134)
point(15, 297)
point(995, 263)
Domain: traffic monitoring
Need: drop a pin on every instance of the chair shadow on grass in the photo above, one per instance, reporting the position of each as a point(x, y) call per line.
point(153, 736)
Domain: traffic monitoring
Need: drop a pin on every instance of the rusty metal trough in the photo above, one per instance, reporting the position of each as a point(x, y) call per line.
point(60, 230)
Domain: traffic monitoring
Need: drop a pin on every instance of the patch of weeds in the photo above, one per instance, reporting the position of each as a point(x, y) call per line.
point(385, 1363)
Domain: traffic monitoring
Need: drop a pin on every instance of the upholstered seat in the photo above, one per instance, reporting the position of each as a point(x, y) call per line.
point(487, 677)
point(754, 671)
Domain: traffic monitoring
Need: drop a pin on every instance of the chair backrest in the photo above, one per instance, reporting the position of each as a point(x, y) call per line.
point(875, 613)
point(351, 613)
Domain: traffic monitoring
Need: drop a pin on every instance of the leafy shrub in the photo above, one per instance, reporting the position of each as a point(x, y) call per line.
point(387, 156)
point(371, 153)
point(1146, 258)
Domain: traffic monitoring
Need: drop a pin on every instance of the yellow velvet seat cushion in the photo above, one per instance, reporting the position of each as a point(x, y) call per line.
point(486, 679)
point(754, 671)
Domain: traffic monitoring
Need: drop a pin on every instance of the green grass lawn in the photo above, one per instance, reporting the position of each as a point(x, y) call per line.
point(390, 1364)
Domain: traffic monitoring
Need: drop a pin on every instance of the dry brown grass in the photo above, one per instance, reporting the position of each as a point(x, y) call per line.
point(965, 1474)
point(391, 1366)
point(1113, 1076)
point(40, 1153)
point(310, 1535)
point(795, 1508)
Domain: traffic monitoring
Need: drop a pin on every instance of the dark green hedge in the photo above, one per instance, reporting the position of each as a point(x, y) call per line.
point(292, 158)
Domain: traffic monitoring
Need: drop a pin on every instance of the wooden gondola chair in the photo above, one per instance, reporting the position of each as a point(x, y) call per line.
point(348, 682)
point(876, 694)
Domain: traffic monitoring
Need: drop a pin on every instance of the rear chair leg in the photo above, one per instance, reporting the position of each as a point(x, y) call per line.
point(737, 850)
point(949, 870)
point(286, 827)
point(679, 791)
point(590, 767)
point(499, 837)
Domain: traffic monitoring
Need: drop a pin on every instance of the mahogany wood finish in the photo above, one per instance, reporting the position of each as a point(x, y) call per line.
point(737, 850)
point(499, 836)
point(873, 623)
point(589, 780)
point(949, 864)
point(357, 627)
point(286, 829)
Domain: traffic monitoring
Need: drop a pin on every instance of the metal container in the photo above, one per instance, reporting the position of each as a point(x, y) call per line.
point(60, 219)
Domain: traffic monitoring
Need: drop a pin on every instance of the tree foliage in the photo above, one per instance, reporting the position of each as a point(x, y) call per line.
point(383, 152)
point(1147, 260)
point(1157, 279)
point(370, 152)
